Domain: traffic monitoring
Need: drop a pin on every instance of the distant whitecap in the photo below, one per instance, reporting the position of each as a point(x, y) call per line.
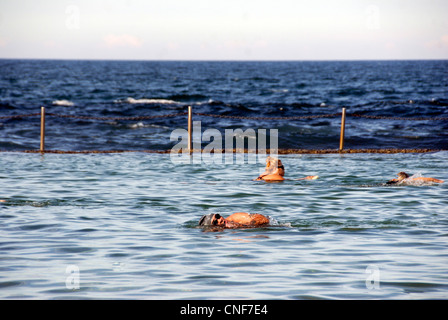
point(147, 101)
point(65, 103)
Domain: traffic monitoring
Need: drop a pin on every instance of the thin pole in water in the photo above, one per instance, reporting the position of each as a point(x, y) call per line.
point(190, 129)
point(42, 129)
point(341, 141)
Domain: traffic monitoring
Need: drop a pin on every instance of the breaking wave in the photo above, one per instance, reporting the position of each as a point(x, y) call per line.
point(64, 103)
point(146, 101)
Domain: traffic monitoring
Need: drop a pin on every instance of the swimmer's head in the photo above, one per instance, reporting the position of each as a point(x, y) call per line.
point(213, 219)
point(402, 175)
point(206, 220)
point(273, 164)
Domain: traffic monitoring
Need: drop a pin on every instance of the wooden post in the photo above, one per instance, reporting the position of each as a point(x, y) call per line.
point(190, 129)
point(341, 141)
point(42, 129)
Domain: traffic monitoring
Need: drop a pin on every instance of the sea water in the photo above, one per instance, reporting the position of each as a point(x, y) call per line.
point(120, 89)
point(124, 226)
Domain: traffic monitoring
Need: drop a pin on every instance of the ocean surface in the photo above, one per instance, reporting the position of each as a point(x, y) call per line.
point(124, 225)
point(118, 89)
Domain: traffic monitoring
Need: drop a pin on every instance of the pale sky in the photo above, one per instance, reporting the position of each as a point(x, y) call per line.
point(224, 30)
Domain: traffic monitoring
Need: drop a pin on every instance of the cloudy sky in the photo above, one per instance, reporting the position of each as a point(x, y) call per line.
point(224, 30)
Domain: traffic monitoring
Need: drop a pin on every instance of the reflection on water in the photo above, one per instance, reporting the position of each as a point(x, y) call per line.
point(128, 222)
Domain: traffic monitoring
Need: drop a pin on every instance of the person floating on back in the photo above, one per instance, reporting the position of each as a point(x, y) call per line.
point(404, 178)
point(275, 171)
point(236, 220)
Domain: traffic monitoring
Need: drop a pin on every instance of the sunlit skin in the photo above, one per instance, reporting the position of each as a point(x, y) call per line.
point(275, 171)
point(236, 220)
point(404, 176)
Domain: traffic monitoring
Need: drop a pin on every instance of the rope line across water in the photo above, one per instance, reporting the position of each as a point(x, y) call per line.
point(139, 118)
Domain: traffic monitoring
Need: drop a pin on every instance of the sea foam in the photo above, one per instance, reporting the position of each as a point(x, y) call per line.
point(147, 101)
point(65, 103)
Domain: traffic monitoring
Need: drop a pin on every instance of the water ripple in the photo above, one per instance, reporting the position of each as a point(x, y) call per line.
point(133, 236)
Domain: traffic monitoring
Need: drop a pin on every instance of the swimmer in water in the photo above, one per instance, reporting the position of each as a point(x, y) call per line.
point(275, 171)
point(404, 177)
point(236, 220)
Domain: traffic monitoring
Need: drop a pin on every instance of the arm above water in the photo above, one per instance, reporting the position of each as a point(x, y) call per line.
point(425, 179)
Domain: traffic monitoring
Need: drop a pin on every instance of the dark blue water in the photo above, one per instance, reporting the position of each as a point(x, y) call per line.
point(124, 226)
point(260, 89)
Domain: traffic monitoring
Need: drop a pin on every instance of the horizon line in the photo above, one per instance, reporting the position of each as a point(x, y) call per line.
point(227, 60)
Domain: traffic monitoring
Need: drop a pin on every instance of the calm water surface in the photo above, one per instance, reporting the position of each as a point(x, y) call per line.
point(127, 224)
